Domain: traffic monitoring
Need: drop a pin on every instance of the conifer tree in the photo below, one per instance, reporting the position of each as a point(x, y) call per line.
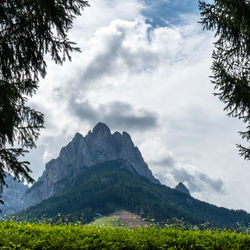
point(230, 19)
point(29, 29)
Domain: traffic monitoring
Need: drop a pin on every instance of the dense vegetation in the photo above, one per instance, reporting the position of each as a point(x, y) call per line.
point(46, 236)
point(109, 186)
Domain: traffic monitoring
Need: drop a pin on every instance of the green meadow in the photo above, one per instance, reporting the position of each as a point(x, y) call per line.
point(46, 236)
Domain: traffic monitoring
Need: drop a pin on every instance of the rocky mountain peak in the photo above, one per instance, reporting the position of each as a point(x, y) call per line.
point(81, 153)
point(101, 129)
point(127, 138)
point(182, 188)
point(77, 137)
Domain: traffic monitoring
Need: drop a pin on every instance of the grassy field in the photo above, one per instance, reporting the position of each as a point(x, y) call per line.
point(45, 236)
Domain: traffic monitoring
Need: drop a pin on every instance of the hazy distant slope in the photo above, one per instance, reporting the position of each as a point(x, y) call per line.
point(13, 196)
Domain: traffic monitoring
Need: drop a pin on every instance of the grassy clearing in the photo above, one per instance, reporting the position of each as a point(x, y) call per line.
point(45, 236)
point(120, 218)
point(113, 221)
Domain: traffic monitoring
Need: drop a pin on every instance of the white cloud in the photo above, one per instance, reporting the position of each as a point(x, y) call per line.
point(100, 14)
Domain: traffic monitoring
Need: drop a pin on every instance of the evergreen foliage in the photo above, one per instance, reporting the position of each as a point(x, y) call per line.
point(231, 65)
point(28, 31)
point(109, 186)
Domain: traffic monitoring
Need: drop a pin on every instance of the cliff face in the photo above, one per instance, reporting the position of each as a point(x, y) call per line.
point(99, 145)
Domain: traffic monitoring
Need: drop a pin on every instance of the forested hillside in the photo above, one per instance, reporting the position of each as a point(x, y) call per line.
point(109, 186)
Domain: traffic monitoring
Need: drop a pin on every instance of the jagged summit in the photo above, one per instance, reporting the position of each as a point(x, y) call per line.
point(98, 146)
point(101, 129)
point(77, 138)
point(182, 188)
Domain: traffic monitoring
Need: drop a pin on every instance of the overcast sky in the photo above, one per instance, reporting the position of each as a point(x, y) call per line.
point(144, 69)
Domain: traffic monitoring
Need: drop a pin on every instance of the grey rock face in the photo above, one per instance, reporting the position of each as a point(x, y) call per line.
point(13, 196)
point(99, 145)
point(182, 188)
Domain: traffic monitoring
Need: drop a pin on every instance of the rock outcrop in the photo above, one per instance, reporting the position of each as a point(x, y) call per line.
point(182, 188)
point(99, 145)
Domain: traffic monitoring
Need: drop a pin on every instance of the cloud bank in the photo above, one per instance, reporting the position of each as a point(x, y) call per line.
point(117, 114)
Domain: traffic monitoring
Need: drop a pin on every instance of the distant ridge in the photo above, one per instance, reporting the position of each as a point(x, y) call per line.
point(98, 146)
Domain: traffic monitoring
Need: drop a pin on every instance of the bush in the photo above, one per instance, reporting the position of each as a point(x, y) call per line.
point(46, 236)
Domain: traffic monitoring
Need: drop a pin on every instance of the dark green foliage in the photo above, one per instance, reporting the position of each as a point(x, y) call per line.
point(18, 124)
point(44, 236)
point(28, 31)
point(106, 187)
point(231, 58)
point(31, 29)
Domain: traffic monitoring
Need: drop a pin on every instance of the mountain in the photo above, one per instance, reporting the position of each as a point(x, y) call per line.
point(13, 196)
point(182, 188)
point(102, 173)
point(110, 186)
point(98, 146)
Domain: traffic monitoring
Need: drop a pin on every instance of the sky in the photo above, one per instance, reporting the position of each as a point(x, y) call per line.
point(144, 69)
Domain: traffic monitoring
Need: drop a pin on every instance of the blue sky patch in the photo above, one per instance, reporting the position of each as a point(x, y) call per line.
point(168, 12)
